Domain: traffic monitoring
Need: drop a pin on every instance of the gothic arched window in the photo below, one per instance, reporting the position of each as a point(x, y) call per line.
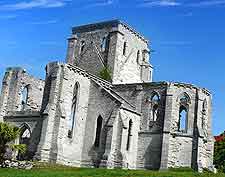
point(155, 112)
point(24, 97)
point(129, 135)
point(98, 131)
point(104, 44)
point(155, 99)
point(182, 119)
point(82, 46)
point(72, 117)
point(25, 136)
point(184, 101)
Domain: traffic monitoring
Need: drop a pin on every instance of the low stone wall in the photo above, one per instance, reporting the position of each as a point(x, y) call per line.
point(17, 164)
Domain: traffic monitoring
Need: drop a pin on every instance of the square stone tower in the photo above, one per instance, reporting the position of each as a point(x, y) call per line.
point(113, 45)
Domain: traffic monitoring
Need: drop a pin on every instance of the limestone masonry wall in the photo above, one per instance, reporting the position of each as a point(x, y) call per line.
point(77, 118)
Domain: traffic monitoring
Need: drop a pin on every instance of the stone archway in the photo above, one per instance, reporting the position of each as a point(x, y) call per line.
point(25, 137)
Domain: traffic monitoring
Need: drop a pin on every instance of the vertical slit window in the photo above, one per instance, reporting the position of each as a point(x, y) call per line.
point(104, 44)
point(138, 56)
point(82, 46)
point(98, 131)
point(72, 117)
point(124, 48)
point(182, 119)
point(129, 135)
point(24, 97)
point(155, 99)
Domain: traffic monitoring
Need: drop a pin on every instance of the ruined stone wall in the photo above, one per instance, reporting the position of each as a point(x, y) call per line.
point(15, 80)
point(51, 113)
point(204, 124)
point(31, 121)
point(129, 155)
point(150, 134)
point(101, 104)
point(184, 147)
point(67, 149)
point(181, 143)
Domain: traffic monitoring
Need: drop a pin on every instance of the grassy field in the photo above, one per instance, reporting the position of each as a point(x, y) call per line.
point(61, 171)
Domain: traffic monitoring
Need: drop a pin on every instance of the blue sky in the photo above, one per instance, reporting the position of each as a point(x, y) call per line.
point(188, 37)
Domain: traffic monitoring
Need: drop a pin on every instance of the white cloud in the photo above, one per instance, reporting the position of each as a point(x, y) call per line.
point(208, 3)
point(34, 4)
point(99, 3)
point(164, 3)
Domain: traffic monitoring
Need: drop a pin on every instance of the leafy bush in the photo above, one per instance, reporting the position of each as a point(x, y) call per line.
point(219, 155)
point(105, 74)
point(8, 133)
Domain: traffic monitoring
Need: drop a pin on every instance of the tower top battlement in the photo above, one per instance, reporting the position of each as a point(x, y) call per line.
point(113, 45)
point(106, 24)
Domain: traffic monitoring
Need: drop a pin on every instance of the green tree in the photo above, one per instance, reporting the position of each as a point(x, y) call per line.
point(105, 74)
point(219, 155)
point(8, 133)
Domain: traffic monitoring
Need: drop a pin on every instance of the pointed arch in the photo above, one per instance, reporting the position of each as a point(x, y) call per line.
point(184, 102)
point(82, 46)
point(25, 137)
point(184, 98)
point(183, 115)
point(72, 117)
point(155, 97)
point(24, 97)
point(98, 131)
point(154, 103)
point(104, 44)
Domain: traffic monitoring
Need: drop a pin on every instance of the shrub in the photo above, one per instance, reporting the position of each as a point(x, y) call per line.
point(105, 74)
point(219, 155)
point(8, 133)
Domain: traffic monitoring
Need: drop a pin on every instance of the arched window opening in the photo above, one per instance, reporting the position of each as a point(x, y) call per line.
point(98, 131)
point(155, 98)
point(24, 139)
point(124, 48)
point(204, 106)
point(182, 127)
point(72, 117)
point(129, 135)
point(82, 46)
point(184, 99)
point(24, 97)
point(154, 108)
point(104, 44)
point(155, 112)
point(138, 56)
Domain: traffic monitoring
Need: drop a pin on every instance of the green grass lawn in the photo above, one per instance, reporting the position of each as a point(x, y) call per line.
point(61, 171)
